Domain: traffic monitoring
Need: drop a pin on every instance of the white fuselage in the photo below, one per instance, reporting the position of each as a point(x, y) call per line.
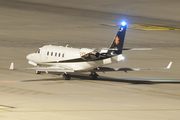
point(67, 57)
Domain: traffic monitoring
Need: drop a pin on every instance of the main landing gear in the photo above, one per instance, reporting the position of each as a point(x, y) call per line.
point(93, 76)
point(66, 76)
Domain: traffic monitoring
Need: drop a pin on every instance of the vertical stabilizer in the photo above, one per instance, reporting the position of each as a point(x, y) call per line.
point(117, 45)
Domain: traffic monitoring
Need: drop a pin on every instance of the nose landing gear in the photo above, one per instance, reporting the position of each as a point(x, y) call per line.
point(38, 72)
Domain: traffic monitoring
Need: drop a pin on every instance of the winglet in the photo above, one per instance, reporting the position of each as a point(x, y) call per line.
point(169, 66)
point(11, 66)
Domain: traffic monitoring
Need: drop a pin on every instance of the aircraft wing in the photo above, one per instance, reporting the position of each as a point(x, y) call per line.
point(45, 69)
point(106, 69)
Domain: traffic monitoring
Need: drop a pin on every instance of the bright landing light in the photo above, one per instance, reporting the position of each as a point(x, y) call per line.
point(123, 23)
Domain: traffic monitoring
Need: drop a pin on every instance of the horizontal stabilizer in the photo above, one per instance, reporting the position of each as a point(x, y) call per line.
point(103, 50)
point(137, 48)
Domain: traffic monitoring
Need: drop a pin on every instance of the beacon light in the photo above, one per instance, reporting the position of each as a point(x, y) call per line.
point(123, 23)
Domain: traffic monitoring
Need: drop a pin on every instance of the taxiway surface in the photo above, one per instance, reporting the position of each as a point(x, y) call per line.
point(24, 27)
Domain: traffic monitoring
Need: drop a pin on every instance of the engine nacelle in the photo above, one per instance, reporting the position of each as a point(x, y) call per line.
point(89, 54)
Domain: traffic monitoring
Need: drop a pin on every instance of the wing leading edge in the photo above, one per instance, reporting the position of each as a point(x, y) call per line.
point(105, 69)
point(44, 69)
point(99, 69)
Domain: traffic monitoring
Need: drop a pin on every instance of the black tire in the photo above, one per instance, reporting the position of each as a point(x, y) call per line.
point(93, 76)
point(38, 72)
point(66, 77)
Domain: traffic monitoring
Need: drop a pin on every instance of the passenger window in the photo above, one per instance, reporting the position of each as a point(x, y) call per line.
point(51, 53)
point(63, 55)
point(59, 54)
point(56, 54)
point(48, 53)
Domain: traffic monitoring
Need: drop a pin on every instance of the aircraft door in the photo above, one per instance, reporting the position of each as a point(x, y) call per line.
point(43, 54)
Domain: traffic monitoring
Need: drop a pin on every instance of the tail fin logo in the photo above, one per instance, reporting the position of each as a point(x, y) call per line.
point(116, 40)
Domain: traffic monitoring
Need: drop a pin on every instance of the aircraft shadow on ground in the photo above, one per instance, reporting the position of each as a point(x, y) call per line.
point(110, 79)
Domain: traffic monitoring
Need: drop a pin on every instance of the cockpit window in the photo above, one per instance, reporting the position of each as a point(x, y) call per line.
point(38, 51)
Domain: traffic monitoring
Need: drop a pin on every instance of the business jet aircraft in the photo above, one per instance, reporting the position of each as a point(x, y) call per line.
point(66, 60)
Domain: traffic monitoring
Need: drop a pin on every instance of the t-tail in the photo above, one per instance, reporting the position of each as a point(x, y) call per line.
point(117, 45)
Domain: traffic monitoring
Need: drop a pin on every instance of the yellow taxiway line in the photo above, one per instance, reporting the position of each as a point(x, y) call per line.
point(143, 27)
point(150, 27)
point(1, 107)
point(4, 106)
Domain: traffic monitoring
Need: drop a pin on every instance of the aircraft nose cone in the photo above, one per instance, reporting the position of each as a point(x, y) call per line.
point(29, 57)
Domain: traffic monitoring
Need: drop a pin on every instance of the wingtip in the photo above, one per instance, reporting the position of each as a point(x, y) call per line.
point(11, 66)
point(169, 65)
